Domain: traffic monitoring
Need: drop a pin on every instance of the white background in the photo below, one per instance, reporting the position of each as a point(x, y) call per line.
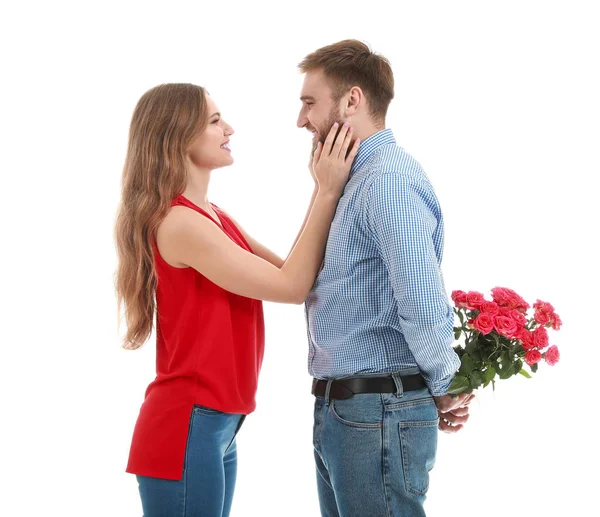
point(497, 100)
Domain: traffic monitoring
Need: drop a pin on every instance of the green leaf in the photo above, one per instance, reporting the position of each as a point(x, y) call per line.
point(496, 339)
point(460, 384)
point(457, 333)
point(466, 364)
point(507, 372)
point(518, 365)
point(476, 379)
point(519, 350)
point(534, 368)
point(461, 318)
point(460, 351)
point(489, 374)
point(525, 374)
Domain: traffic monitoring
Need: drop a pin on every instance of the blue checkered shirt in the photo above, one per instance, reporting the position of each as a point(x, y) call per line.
point(379, 303)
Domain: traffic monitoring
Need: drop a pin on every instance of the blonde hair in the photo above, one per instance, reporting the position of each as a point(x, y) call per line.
point(165, 121)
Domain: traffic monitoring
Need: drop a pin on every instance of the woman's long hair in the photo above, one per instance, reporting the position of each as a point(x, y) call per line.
point(165, 121)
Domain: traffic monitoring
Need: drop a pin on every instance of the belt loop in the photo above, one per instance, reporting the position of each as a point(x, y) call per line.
point(398, 382)
point(327, 388)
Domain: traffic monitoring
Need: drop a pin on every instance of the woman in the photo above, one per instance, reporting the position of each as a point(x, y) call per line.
point(187, 261)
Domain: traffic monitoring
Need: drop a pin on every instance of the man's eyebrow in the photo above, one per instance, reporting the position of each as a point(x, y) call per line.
point(307, 98)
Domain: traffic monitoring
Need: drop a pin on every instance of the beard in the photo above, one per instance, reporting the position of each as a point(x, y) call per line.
point(333, 117)
point(323, 129)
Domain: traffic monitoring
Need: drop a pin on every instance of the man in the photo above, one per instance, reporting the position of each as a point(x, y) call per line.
point(379, 320)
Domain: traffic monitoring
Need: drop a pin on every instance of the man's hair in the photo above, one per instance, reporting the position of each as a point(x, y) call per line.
point(351, 63)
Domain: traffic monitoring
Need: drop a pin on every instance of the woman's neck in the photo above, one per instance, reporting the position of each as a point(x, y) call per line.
point(196, 189)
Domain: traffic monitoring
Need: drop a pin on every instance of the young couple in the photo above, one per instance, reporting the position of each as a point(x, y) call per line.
point(379, 320)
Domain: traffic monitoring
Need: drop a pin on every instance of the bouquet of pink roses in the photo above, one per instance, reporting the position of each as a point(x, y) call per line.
point(499, 337)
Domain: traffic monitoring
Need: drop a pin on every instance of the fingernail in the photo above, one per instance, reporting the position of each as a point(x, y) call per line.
point(346, 124)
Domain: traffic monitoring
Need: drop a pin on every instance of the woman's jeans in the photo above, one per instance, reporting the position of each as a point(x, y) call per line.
point(208, 481)
point(374, 451)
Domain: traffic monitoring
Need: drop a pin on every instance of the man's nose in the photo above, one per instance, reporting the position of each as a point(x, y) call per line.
point(302, 120)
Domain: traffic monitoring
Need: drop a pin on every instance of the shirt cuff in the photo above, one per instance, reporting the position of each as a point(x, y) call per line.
point(440, 388)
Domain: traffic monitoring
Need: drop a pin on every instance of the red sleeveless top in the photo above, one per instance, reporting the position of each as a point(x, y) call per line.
point(209, 350)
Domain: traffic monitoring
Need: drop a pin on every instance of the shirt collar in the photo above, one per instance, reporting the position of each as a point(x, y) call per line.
point(369, 146)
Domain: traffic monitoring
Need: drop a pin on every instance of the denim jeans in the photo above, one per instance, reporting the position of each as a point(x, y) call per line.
point(208, 481)
point(374, 451)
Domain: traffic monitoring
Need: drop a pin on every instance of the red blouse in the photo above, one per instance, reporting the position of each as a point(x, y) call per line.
point(209, 350)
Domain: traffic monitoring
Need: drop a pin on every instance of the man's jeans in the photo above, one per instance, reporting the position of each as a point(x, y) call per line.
point(374, 452)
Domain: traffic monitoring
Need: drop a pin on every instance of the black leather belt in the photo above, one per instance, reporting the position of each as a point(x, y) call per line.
point(345, 388)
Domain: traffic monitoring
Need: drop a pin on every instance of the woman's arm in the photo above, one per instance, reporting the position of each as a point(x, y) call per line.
point(264, 252)
point(186, 238)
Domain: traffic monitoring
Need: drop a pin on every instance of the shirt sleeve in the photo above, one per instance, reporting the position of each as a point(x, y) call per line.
point(403, 216)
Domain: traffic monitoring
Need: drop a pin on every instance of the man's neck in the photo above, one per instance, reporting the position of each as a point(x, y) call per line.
point(365, 132)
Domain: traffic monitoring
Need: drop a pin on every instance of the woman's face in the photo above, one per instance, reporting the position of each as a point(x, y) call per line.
point(210, 150)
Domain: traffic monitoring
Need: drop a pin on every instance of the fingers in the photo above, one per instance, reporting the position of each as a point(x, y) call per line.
point(315, 142)
point(353, 151)
point(338, 147)
point(327, 146)
point(346, 143)
point(447, 403)
point(459, 411)
point(463, 400)
point(446, 427)
point(317, 154)
point(454, 419)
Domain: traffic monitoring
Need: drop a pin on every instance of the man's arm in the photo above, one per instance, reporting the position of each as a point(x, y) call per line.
point(402, 214)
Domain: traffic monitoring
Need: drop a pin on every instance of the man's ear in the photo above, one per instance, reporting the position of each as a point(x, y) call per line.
point(355, 99)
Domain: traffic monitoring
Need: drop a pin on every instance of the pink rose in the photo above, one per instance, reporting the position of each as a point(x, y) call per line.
point(505, 311)
point(556, 322)
point(459, 298)
point(533, 357)
point(474, 300)
point(545, 315)
point(552, 355)
point(505, 326)
point(540, 337)
point(500, 296)
point(526, 339)
point(541, 306)
point(484, 323)
point(490, 308)
point(518, 317)
point(543, 318)
point(506, 297)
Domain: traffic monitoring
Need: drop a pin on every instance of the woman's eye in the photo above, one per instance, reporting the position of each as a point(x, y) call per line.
point(215, 121)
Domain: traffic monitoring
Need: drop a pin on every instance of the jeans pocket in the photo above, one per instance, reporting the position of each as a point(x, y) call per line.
point(206, 410)
point(418, 443)
point(364, 412)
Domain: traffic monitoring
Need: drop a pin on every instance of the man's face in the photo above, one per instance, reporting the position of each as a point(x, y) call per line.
point(319, 112)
